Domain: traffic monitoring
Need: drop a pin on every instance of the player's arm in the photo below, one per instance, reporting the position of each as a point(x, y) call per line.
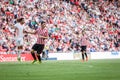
point(32, 32)
point(45, 37)
point(15, 28)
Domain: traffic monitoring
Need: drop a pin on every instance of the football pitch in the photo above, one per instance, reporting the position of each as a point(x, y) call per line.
point(61, 70)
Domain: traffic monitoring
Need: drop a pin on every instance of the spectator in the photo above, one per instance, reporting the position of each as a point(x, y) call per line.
point(100, 18)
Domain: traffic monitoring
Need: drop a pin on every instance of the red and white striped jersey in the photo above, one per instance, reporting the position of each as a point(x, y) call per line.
point(83, 40)
point(41, 32)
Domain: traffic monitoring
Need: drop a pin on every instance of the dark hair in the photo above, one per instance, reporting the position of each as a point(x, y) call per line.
point(20, 19)
point(42, 22)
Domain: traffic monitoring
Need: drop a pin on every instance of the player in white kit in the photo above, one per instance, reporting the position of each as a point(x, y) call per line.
point(19, 26)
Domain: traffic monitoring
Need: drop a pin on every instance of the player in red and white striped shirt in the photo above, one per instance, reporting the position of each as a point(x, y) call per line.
point(83, 41)
point(42, 34)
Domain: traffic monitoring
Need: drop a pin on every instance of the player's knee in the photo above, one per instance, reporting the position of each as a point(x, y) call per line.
point(32, 52)
point(38, 54)
point(83, 52)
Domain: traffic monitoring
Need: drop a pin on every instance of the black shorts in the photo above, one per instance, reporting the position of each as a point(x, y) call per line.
point(38, 47)
point(83, 48)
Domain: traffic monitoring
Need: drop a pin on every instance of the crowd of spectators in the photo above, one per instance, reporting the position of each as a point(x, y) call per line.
point(65, 20)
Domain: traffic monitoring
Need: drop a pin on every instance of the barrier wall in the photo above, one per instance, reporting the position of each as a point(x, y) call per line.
point(66, 56)
point(62, 56)
point(105, 55)
point(13, 57)
point(51, 56)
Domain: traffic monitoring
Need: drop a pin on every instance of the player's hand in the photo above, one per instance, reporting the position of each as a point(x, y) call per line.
point(42, 36)
point(25, 31)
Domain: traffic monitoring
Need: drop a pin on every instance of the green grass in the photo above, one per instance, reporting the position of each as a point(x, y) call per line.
point(61, 70)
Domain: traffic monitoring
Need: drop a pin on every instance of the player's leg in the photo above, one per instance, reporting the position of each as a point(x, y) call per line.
point(39, 51)
point(39, 57)
point(85, 47)
point(82, 56)
point(33, 55)
point(82, 52)
point(19, 44)
point(86, 56)
point(34, 48)
point(20, 48)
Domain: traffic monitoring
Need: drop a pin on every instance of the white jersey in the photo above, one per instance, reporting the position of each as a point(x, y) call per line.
point(20, 35)
point(20, 30)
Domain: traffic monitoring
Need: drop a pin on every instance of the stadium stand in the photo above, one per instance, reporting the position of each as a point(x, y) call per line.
point(65, 20)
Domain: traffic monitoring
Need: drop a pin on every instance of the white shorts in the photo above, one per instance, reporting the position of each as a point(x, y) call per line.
point(19, 42)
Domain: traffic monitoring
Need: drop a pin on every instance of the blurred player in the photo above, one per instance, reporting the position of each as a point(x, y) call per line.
point(42, 34)
point(19, 27)
point(83, 44)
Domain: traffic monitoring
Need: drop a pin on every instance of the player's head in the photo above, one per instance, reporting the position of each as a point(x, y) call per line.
point(43, 25)
point(20, 20)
